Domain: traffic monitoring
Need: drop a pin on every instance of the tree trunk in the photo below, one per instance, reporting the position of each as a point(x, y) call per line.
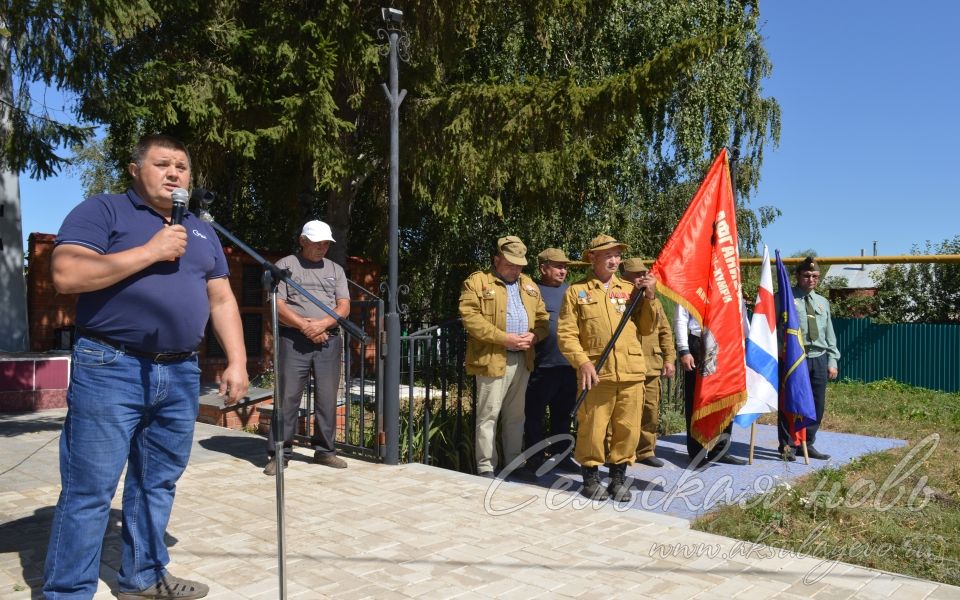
point(14, 331)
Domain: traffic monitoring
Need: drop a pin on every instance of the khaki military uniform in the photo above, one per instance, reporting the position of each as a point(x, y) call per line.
point(502, 375)
point(658, 349)
point(483, 308)
point(589, 316)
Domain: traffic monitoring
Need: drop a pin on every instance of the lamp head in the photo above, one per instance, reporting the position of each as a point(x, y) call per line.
point(392, 16)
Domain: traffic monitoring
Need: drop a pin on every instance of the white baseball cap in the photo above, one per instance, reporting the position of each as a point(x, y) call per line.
point(317, 231)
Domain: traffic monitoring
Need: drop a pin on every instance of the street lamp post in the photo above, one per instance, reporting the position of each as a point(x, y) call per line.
point(391, 395)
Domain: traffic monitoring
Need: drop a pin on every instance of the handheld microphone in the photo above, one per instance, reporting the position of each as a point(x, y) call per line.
point(180, 197)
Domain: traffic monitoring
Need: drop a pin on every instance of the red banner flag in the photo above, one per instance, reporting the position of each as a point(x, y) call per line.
point(699, 268)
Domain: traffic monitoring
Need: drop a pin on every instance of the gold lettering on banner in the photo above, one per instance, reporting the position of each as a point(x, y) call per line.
point(727, 249)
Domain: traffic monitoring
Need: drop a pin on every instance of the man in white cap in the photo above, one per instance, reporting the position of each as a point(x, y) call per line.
point(310, 339)
point(504, 316)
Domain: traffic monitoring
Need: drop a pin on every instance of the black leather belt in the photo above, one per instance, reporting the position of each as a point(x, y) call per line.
point(157, 357)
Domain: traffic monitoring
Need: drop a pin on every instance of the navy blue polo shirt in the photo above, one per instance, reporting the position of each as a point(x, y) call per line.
point(163, 308)
point(547, 353)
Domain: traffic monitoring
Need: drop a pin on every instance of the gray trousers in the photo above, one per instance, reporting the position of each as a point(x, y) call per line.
point(298, 355)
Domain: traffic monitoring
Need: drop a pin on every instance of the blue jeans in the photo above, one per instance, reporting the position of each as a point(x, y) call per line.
point(122, 410)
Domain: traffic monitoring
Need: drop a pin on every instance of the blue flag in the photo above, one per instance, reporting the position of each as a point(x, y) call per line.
point(796, 393)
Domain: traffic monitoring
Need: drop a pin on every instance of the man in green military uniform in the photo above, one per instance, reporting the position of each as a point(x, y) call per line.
point(504, 316)
point(661, 356)
point(820, 343)
point(592, 309)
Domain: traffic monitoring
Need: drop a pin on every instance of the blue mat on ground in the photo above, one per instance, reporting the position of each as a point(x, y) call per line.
point(677, 490)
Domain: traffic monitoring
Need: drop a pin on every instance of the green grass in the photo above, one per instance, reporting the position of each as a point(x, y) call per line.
point(897, 510)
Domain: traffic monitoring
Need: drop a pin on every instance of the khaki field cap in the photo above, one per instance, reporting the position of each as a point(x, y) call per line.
point(553, 255)
point(317, 231)
point(634, 265)
point(808, 264)
point(603, 242)
point(513, 250)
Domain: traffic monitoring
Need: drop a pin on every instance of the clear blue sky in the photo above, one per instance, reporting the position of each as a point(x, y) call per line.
point(871, 132)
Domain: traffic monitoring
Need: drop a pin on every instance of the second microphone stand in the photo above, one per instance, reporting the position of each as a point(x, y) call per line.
point(272, 276)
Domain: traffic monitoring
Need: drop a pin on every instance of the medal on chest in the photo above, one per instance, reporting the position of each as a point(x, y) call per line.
point(618, 299)
point(584, 298)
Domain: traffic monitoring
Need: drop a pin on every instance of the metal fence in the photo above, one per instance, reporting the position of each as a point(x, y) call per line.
point(438, 418)
point(920, 354)
point(360, 398)
point(438, 399)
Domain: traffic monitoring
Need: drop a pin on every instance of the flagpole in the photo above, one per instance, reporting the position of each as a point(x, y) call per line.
point(613, 340)
point(734, 157)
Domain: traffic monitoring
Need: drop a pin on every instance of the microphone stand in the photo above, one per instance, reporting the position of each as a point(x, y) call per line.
point(272, 276)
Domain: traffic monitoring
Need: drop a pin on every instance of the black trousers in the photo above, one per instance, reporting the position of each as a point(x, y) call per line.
point(554, 387)
point(818, 380)
point(689, 381)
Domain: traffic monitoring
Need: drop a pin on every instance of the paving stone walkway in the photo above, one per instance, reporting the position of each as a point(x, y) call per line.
point(413, 531)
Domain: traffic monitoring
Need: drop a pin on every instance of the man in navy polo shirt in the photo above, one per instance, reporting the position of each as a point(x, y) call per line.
point(145, 290)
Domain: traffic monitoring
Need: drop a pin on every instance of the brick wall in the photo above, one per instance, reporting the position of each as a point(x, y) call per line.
point(51, 315)
point(29, 383)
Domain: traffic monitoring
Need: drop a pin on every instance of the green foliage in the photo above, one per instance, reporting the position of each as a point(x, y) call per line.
point(554, 121)
point(445, 449)
point(96, 175)
point(848, 305)
point(922, 292)
point(62, 44)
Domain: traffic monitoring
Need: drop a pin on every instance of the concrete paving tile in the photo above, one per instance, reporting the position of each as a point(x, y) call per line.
point(943, 592)
point(425, 533)
point(883, 585)
point(915, 589)
point(432, 589)
point(831, 593)
point(727, 588)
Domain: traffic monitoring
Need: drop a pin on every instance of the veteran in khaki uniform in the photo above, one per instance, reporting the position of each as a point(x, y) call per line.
point(504, 316)
point(661, 356)
point(592, 309)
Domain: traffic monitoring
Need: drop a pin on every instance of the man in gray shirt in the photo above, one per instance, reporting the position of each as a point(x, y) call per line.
point(310, 339)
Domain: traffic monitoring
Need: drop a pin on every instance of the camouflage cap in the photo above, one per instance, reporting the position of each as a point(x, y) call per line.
point(553, 255)
point(512, 249)
point(634, 265)
point(603, 242)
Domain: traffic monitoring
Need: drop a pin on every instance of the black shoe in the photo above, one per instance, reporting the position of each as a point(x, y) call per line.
point(169, 587)
point(788, 454)
point(567, 465)
point(329, 460)
point(729, 459)
point(652, 461)
point(524, 473)
point(591, 484)
point(814, 453)
point(618, 488)
point(271, 468)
